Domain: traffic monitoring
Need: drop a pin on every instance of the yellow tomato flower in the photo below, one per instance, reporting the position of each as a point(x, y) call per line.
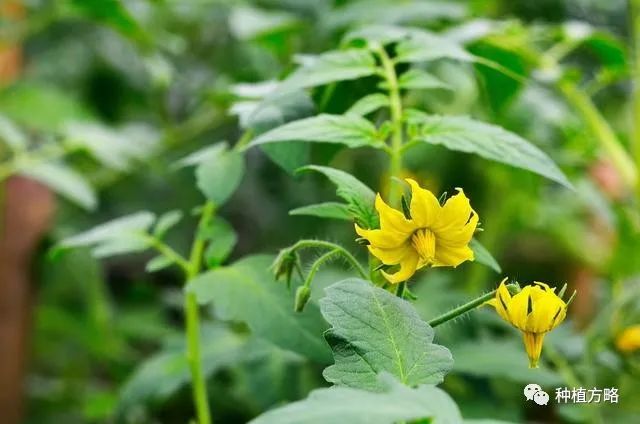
point(434, 235)
point(629, 340)
point(535, 311)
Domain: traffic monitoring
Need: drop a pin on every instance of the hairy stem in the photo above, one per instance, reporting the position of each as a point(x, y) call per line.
point(395, 165)
point(194, 357)
point(317, 264)
point(467, 307)
point(304, 244)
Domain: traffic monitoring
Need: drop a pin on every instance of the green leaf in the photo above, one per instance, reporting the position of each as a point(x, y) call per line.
point(350, 130)
point(121, 228)
point(483, 256)
point(250, 23)
point(116, 149)
point(488, 141)
point(374, 331)
point(11, 135)
point(333, 210)
point(246, 291)
point(54, 106)
point(166, 222)
point(222, 240)
point(360, 198)
point(219, 176)
point(201, 155)
point(417, 79)
point(425, 46)
point(164, 373)
point(500, 358)
point(368, 104)
point(395, 403)
point(382, 11)
point(331, 67)
point(158, 263)
point(64, 181)
point(108, 12)
point(126, 243)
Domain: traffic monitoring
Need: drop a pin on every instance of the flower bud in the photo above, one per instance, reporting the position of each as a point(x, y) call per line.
point(284, 264)
point(302, 297)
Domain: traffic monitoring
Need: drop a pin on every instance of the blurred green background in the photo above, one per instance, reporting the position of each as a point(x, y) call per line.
point(156, 80)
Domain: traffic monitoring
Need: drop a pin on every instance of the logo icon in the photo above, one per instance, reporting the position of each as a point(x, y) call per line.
point(535, 393)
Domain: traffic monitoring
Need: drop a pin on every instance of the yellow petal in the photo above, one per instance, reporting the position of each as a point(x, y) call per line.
point(502, 300)
point(391, 256)
point(452, 256)
point(518, 308)
point(383, 239)
point(455, 213)
point(548, 311)
point(392, 219)
point(408, 267)
point(424, 206)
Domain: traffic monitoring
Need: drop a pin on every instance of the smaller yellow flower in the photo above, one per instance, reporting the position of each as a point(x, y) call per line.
point(629, 340)
point(433, 235)
point(535, 311)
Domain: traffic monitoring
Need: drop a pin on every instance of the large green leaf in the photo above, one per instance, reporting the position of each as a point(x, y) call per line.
point(220, 174)
point(425, 46)
point(489, 141)
point(64, 181)
point(331, 67)
point(350, 130)
point(395, 403)
point(246, 291)
point(374, 331)
point(360, 198)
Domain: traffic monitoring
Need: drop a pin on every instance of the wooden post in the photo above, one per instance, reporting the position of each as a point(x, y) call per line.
point(26, 208)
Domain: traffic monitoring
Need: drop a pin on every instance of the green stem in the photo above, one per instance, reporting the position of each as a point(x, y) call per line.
point(400, 289)
point(463, 309)
point(167, 251)
point(317, 264)
point(602, 131)
point(303, 244)
point(395, 107)
point(194, 357)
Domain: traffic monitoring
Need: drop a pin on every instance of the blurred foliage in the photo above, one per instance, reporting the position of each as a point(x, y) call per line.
point(115, 97)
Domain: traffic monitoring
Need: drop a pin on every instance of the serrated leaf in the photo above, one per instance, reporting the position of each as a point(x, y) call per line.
point(222, 240)
point(360, 198)
point(11, 135)
point(393, 404)
point(331, 67)
point(64, 181)
point(158, 263)
point(350, 130)
point(246, 291)
point(219, 176)
point(117, 228)
point(483, 256)
point(374, 331)
point(368, 104)
point(332, 210)
point(166, 222)
point(488, 141)
point(418, 79)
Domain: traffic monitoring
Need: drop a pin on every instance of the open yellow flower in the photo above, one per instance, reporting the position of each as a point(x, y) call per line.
point(434, 235)
point(535, 311)
point(629, 340)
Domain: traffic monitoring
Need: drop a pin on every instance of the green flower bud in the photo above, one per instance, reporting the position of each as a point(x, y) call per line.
point(302, 297)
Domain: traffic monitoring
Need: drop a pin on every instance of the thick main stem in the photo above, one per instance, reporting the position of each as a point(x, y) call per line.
point(395, 166)
point(192, 318)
